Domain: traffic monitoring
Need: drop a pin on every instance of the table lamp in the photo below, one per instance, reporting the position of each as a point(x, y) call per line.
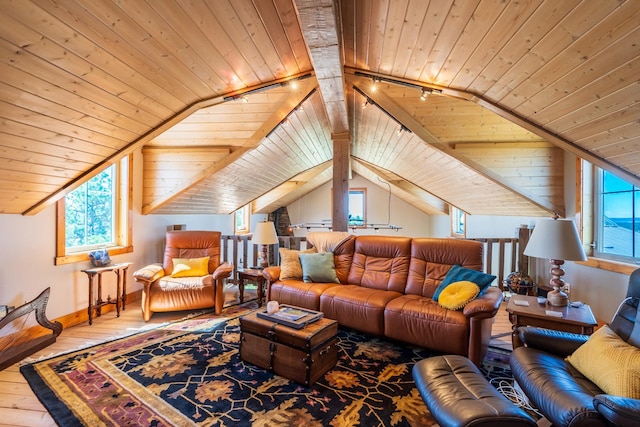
point(557, 240)
point(264, 234)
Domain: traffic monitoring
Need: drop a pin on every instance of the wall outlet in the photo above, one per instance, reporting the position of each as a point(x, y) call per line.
point(567, 288)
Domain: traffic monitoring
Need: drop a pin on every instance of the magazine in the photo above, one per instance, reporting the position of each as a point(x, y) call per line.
point(294, 317)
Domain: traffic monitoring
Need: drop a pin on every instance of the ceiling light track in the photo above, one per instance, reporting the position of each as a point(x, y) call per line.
point(328, 226)
point(298, 106)
point(368, 100)
point(377, 79)
point(289, 82)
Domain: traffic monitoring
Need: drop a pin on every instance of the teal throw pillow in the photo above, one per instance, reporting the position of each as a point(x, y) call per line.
point(318, 268)
point(458, 273)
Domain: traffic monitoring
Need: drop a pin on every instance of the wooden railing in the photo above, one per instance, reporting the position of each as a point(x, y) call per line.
point(501, 255)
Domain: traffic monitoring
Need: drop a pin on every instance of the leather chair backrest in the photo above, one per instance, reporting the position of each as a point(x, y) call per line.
point(380, 262)
point(192, 244)
point(626, 318)
point(431, 259)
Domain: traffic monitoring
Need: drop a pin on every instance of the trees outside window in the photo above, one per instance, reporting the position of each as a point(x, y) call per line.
point(97, 214)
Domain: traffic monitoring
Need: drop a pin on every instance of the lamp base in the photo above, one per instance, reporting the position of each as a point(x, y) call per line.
point(557, 298)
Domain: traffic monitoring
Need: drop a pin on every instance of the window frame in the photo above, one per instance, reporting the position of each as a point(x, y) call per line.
point(598, 230)
point(363, 191)
point(241, 220)
point(123, 222)
point(458, 217)
point(586, 212)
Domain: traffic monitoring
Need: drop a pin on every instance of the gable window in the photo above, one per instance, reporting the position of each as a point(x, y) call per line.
point(357, 207)
point(617, 218)
point(96, 215)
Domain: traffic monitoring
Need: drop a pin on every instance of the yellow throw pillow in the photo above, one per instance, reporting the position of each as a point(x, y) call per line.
point(610, 363)
point(290, 267)
point(458, 294)
point(190, 267)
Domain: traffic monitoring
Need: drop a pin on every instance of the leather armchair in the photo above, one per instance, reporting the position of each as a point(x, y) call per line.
point(162, 292)
point(563, 395)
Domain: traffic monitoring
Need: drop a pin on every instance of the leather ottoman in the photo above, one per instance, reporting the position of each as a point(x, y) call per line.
point(457, 394)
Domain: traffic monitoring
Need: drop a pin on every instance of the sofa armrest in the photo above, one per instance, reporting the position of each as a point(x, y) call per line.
point(271, 274)
point(486, 305)
point(618, 410)
point(149, 274)
point(223, 271)
point(555, 342)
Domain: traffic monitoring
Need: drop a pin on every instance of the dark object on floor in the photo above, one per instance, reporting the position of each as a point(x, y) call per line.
point(561, 393)
point(20, 348)
point(457, 394)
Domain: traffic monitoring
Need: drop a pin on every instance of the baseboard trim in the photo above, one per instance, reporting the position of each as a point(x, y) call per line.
point(82, 316)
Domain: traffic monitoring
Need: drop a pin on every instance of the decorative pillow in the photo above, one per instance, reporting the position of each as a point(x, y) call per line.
point(318, 268)
point(290, 267)
point(610, 363)
point(458, 273)
point(190, 267)
point(458, 294)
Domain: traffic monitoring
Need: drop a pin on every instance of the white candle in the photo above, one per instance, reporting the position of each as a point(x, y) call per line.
point(272, 307)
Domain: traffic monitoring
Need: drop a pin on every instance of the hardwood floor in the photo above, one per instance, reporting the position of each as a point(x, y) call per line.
point(20, 407)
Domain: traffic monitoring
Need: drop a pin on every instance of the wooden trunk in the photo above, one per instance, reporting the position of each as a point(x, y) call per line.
point(301, 355)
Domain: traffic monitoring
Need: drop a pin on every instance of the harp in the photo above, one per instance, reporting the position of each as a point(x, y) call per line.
point(18, 345)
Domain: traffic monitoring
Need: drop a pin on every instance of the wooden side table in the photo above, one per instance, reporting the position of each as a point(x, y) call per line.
point(254, 275)
point(579, 320)
point(120, 300)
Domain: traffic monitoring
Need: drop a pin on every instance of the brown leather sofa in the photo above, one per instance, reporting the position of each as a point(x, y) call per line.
point(386, 288)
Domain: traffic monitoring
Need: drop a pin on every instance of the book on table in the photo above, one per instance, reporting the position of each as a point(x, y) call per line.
point(294, 317)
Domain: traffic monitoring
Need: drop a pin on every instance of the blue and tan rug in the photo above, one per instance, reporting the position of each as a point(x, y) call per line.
point(190, 373)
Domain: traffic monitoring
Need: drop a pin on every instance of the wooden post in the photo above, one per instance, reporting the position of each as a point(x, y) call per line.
point(340, 194)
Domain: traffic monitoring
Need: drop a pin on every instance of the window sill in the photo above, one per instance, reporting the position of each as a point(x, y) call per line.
point(608, 265)
point(84, 256)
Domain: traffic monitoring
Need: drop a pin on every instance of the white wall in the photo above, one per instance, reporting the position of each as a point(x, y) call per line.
point(28, 247)
point(316, 207)
point(28, 252)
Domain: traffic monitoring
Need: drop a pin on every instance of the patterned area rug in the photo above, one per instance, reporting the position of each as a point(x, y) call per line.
point(190, 373)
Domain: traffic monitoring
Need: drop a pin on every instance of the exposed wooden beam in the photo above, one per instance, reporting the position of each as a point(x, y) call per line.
point(438, 205)
point(542, 132)
point(321, 34)
point(407, 120)
point(271, 123)
point(143, 139)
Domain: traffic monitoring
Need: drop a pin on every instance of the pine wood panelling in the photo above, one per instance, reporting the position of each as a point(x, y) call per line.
point(85, 82)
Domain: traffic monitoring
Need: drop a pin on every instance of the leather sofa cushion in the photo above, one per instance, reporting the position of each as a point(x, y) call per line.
point(185, 293)
point(357, 307)
point(423, 322)
point(432, 258)
point(542, 374)
point(380, 262)
point(299, 293)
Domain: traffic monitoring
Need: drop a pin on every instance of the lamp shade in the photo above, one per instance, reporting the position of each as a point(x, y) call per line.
point(555, 239)
point(265, 234)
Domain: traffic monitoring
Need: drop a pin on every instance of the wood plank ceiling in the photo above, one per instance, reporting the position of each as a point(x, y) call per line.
point(515, 85)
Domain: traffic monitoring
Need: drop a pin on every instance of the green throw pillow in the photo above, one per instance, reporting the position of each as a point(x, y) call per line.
point(458, 273)
point(318, 268)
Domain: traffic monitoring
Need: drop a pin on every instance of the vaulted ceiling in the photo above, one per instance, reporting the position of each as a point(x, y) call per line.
point(233, 102)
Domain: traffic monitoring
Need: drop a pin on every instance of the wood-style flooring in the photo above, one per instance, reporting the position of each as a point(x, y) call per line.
point(20, 407)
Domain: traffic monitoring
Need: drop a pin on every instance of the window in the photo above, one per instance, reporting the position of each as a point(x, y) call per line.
point(95, 215)
point(458, 219)
point(357, 207)
point(617, 218)
point(241, 219)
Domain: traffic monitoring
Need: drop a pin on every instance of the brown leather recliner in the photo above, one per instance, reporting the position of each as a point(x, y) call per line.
point(163, 292)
